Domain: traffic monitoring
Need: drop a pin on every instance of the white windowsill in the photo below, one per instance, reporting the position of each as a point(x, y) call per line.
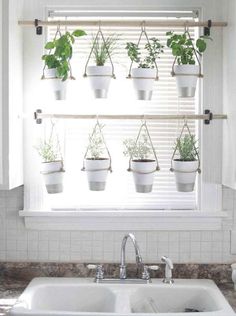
point(122, 220)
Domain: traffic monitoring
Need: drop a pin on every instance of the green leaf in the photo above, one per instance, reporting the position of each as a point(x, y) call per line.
point(201, 45)
point(78, 33)
point(49, 45)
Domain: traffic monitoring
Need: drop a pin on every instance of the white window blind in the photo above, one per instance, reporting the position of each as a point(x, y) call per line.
point(120, 192)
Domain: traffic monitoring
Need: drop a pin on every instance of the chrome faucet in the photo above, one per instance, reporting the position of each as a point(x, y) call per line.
point(168, 270)
point(139, 260)
point(145, 275)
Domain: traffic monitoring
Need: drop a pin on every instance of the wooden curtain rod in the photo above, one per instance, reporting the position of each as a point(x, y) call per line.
point(125, 23)
point(38, 116)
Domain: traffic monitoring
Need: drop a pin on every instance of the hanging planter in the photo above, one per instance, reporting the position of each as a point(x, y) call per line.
point(57, 68)
point(53, 173)
point(52, 166)
point(100, 74)
point(146, 73)
point(140, 164)
point(186, 54)
point(95, 162)
point(186, 166)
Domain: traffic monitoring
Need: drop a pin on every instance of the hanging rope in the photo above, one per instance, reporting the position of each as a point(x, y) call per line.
point(185, 126)
point(200, 75)
point(97, 126)
point(58, 33)
point(59, 149)
point(144, 126)
point(99, 33)
point(143, 32)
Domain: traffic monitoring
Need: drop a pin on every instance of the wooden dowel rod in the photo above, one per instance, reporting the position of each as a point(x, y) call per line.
point(124, 23)
point(130, 117)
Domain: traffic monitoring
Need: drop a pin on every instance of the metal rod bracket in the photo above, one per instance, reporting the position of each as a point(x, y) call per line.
point(207, 29)
point(208, 121)
point(38, 120)
point(38, 28)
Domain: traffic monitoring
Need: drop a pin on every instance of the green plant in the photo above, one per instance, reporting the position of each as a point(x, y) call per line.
point(96, 145)
point(183, 46)
point(49, 150)
point(102, 49)
point(186, 147)
point(60, 53)
point(153, 50)
point(139, 150)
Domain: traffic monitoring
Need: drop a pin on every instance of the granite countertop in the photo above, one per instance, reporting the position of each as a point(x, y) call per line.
point(10, 290)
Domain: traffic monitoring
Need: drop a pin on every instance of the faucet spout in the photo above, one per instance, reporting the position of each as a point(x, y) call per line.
point(137, 254)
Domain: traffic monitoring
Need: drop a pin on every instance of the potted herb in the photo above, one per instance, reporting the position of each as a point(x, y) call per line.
point(96, 164)
point(145, 74)
point(57, 62)
point(52, 165)
point(142, 166)
point(186, 52)
point(186, 166)
point(100, 74)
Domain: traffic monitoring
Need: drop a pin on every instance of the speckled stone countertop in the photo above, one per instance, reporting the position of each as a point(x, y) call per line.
point(14, 277)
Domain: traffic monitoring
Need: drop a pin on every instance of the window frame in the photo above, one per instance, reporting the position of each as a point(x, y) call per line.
point(210, 201)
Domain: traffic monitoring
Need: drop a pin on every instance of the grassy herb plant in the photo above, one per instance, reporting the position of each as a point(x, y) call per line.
point(96, 147)
point(140, 150)
point(153, 49)
point(187, 149)
point(102, 50)
point(183, 47)
point(49, 150)
point(60, 53)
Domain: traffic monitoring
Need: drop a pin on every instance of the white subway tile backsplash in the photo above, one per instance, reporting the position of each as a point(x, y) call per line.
point(195, 246)
point(18, 244)
point(206, 236)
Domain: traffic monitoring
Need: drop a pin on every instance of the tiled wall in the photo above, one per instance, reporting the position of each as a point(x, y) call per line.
point(18, 244)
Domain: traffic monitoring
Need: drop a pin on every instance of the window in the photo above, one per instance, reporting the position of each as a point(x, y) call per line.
point(120, 192)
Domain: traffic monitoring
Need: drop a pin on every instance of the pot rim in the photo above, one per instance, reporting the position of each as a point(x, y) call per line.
point(52, 161)
point(179, 160)
point(105, 66)
point(184, 65)
point(97, 159)
point(143, 160)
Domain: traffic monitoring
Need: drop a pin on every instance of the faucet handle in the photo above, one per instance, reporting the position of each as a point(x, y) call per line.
point(92, 266)
point(146, 274)
point(153, 268)
point(99, 270)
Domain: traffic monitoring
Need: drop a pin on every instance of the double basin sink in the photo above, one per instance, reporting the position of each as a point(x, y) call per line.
point(83, 297)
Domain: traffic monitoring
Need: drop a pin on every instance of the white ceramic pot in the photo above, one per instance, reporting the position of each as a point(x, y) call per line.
point(186, 83)
point(58, 86)
point(97, 170)
point(100, 78)
point(143, 81)
point(185, 174)
point(143, 174)
point(53, 174)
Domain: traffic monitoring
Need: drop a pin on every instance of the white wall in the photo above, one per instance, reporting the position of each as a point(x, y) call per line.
point(1, 175)
point(11, 166)
point(229, 101)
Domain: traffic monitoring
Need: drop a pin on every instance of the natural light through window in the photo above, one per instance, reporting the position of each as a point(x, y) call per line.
point(120, 191)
